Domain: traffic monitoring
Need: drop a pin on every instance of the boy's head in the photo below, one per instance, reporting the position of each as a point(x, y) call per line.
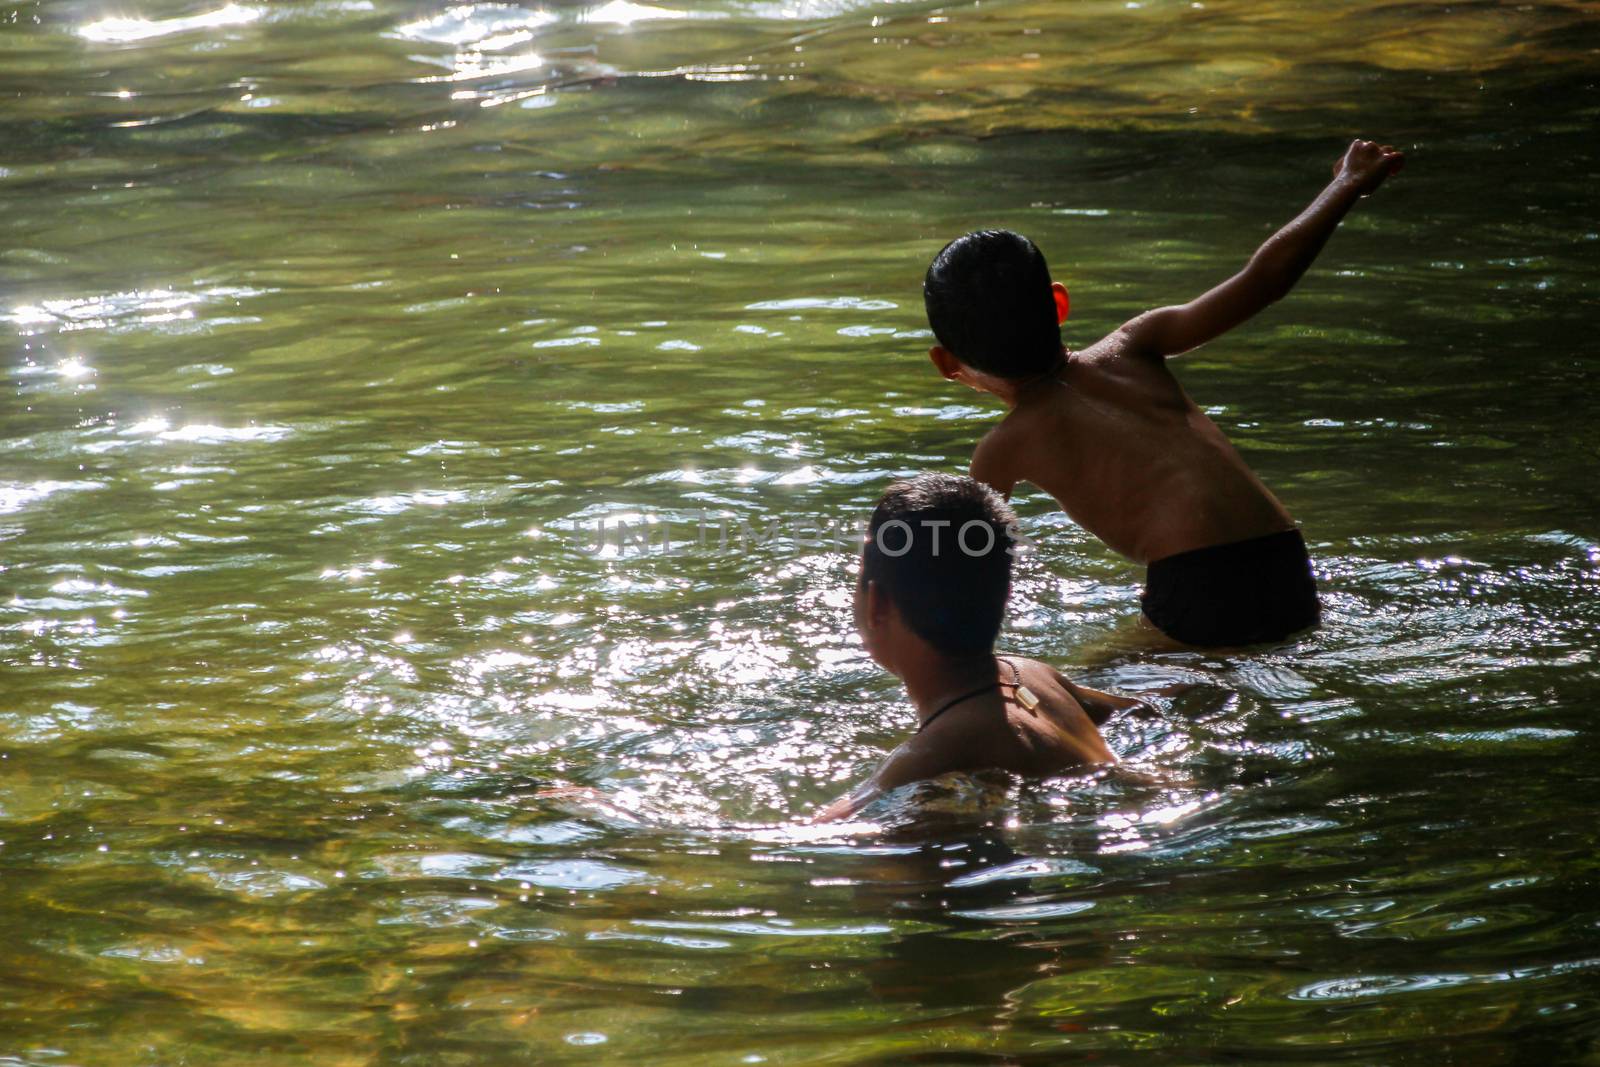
point(936, 565)
point(992, 306)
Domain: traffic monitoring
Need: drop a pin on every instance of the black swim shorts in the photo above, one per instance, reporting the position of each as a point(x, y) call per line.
point(1242, 593)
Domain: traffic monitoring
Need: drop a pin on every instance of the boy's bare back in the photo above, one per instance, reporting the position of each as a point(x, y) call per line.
point(1119, 444)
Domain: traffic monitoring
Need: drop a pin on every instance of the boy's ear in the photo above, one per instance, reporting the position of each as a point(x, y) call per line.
point(878, 606)
point(945, 360)
point(1063, 302)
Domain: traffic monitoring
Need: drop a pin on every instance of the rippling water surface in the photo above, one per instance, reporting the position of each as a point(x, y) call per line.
point(330, 730)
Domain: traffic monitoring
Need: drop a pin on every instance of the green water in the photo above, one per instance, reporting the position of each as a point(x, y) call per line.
point(334, 329)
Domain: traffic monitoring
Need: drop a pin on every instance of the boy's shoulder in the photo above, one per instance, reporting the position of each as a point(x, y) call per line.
point(997, 460)
point(1119, 349)
point(1118, 370)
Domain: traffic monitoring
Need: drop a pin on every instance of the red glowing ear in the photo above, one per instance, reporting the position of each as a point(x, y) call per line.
point(1063, 306)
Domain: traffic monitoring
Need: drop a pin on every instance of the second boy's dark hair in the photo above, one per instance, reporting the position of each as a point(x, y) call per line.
point(988, 300)
point(950, 582)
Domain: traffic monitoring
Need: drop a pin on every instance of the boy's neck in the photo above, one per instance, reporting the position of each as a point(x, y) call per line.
point(931, 677)
point(1012, 391)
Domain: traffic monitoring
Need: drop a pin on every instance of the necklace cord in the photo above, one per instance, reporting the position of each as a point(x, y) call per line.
point(947, 705)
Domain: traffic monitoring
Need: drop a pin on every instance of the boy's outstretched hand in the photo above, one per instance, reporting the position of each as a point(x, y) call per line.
point(1275, 267)
point(1367, 163)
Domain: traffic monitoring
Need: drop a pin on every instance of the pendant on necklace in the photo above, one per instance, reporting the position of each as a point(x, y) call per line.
point(1026, 698)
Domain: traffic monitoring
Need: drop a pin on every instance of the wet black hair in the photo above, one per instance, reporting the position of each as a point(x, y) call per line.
point(988, 300)
point(939, 546)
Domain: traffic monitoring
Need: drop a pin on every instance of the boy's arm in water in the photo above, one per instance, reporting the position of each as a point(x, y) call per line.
point(911, 762)
point(1101, 706)
point(1097, 705)
point(1276, 266)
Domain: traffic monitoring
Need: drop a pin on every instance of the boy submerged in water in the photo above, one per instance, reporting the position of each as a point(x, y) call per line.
point(935, 577)
point(1110, 433)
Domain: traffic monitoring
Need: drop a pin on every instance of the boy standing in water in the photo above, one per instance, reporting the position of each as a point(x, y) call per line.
point(1110, 433)
point(935, 577)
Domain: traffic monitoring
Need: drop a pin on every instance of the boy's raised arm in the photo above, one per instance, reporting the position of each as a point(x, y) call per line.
point(1276, 266)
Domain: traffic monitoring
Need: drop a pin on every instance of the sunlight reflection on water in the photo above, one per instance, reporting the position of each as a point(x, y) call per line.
point(330, 726)
point(118, 30)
